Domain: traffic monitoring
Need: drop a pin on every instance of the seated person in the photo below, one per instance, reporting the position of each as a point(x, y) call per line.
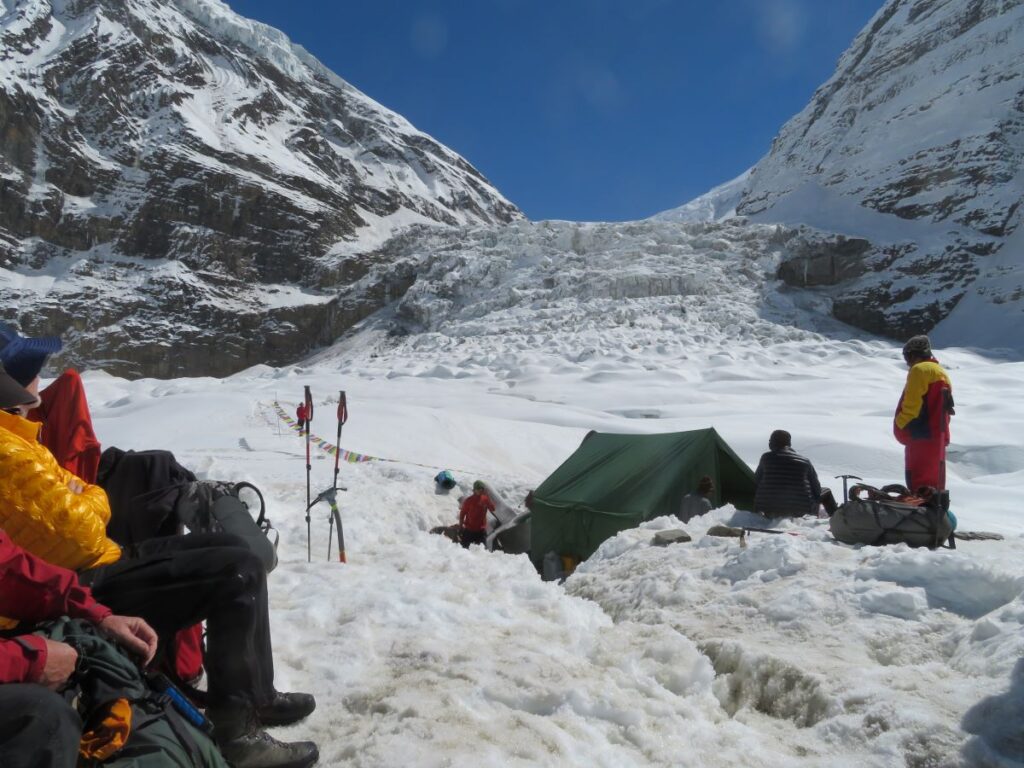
point(787, 485)
point(38, 728)
point(67, 433)
point(697, 503)
point(144, 488)
point(173, 583)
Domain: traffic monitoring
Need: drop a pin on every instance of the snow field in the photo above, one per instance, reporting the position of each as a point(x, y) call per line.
point(792, 651)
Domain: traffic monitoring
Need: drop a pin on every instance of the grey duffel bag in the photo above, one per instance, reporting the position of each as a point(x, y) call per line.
point(878, 522)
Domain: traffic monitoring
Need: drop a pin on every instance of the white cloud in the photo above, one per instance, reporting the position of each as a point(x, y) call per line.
point(429, 36)
point(781, 25)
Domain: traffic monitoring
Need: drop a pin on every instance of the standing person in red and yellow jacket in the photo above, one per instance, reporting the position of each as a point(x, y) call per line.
point(473, 516)
point(922, 416)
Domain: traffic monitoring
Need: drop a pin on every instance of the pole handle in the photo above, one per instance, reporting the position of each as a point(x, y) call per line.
point(308, 399)
point(342, 408)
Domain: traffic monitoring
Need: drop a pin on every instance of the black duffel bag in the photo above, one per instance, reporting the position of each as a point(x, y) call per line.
point(893, 516)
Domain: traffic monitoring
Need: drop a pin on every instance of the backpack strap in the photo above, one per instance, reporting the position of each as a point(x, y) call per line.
point(878, 522)
point(893, 492)
point(870, 493)
point(178, 726)
point(896, 490)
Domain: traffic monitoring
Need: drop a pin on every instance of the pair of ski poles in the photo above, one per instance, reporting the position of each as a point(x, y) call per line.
point(330, 495)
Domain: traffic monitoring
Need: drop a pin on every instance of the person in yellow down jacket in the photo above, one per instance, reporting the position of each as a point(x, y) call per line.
point(171, 582)
point(46, 509)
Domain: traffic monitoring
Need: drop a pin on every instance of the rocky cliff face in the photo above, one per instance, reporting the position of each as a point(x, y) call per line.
point(181, 189)
point(915, 144)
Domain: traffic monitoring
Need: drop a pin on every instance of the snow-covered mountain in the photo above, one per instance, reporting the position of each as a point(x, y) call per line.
point(915, 144)
point(177, 183)
point(186, 191)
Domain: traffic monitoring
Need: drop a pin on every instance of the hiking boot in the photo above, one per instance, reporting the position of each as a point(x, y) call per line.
point(258, 749)
point(286, 708)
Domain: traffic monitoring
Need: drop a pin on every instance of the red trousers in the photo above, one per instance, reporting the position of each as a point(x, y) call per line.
point(925, 462)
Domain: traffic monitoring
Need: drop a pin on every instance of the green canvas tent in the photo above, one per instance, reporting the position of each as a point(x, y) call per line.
point(613, 482)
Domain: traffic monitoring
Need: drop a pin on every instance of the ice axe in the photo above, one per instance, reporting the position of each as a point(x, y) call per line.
point(846, 479)
point(330, 495)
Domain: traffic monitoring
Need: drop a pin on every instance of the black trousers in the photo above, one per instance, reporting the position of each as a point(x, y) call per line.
point(467, 537)
point(38, 729)
point(177, 581)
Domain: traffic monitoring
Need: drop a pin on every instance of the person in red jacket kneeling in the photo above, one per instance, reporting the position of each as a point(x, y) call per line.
point(473, 516)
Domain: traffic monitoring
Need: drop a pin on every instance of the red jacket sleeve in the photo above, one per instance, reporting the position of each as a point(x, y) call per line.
point(22, 659)
point(33, 590)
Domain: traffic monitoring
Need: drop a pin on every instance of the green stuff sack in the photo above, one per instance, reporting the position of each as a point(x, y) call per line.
point(106, 683)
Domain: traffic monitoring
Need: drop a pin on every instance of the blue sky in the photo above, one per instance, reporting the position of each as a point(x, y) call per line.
point(585, 110)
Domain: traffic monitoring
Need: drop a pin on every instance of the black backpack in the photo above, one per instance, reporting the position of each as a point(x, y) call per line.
point(152, 495)
point(210, 506)
point(893, 515)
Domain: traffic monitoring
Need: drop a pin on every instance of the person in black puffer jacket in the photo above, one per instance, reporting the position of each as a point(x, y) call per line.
point(787, 485)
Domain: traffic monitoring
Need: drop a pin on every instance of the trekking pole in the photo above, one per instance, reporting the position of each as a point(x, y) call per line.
point(332, 499)
point(309, 468)
point(846, 478)
point(770, 530)
point(342, 418)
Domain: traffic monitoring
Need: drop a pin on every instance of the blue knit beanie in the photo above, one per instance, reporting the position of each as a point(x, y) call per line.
point(23, 357)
